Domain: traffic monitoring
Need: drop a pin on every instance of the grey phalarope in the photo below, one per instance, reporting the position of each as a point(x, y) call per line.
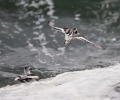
point(28, 76)
point(71, 34)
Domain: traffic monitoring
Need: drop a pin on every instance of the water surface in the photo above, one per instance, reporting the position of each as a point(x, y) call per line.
point(26, 39)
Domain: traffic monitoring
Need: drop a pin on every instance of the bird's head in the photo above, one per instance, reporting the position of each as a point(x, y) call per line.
point(75, 30)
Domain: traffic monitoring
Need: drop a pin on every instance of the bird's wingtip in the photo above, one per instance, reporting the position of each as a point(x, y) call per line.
point(102, 48)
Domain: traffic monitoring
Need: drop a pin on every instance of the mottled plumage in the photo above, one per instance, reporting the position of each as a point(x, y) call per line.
point(71, 34)
point(28, 76)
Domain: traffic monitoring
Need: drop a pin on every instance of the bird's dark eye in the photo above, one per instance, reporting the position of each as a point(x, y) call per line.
point(75, 32)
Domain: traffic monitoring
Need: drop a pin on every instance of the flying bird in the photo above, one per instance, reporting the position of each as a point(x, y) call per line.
point(71, 34)
point(28, 76)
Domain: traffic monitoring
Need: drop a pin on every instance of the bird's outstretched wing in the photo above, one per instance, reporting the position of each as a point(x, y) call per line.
point(56, 28)
point(81, 37)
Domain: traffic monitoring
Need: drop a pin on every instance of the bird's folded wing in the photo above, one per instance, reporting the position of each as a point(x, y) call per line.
point(33, 76)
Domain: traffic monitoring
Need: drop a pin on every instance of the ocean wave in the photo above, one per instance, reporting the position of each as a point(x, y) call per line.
point(96, 84)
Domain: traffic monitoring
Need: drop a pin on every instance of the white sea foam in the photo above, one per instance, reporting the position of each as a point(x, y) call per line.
point(38, 27)
point(33, 4)
point(18, 28)
point(96, 84)
point(51, 9)
point(4, 25)
point(46, 51)
point(77, 17)
point(40, 19)
point(31, 46)
point(62, 49)
point(41, 38)
point(16, 32)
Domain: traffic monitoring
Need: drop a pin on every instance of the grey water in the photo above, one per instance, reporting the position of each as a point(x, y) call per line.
point(26, 39)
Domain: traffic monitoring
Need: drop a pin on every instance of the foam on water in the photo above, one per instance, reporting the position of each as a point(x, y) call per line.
point(96, 84)
point(77, 16)
point(4, 25)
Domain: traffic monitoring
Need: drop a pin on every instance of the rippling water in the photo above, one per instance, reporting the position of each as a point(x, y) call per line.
point(26, 39)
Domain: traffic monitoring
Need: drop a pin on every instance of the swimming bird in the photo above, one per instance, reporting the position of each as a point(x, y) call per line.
point(28, 76)
point(71, 34)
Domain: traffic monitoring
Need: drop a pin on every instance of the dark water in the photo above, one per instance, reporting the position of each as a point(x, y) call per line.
point(26, 39)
